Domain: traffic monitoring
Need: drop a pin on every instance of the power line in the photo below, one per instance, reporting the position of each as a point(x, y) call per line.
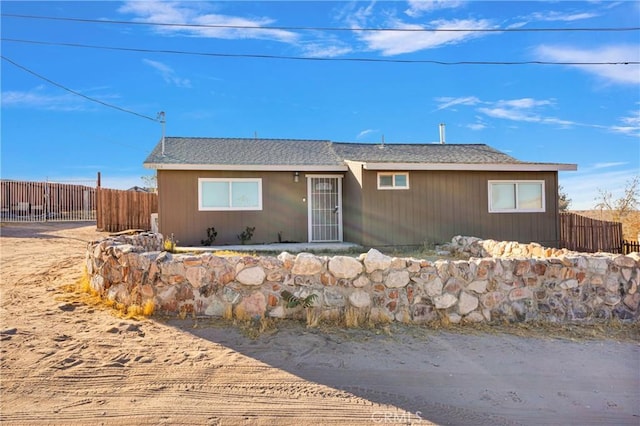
point(75, 92)
point(311, 58)
point(300, 28)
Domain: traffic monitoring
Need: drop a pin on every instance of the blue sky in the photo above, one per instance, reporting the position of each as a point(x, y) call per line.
point(585, 114)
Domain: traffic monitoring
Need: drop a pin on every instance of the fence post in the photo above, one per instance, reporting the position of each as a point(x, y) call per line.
point(45, 207)
point(99, 213)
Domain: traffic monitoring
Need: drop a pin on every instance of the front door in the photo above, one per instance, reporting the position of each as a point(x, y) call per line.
point(325, 207)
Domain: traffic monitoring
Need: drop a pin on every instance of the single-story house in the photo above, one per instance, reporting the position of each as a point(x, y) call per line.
point(374, 195)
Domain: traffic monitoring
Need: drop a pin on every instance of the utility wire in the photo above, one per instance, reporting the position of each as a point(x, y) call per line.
point(298, 28)
point(75, 92)
point(311, 58)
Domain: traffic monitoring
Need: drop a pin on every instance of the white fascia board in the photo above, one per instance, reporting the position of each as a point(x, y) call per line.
point(353, 163)
point(248, 167)
point(501, 167)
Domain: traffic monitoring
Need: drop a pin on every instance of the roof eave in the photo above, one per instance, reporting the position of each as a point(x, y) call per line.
point(506, 167)
point(250, 167)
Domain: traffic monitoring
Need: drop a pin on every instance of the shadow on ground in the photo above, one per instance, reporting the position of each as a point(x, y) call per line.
point(42, 230)
point(450, 378)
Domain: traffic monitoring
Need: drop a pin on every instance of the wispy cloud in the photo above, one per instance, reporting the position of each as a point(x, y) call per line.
point(630, 125)
point(366, 132)
point(477, 126)
point(419, 7)
point(530, 110)
point(195, 13)
point(391, 43)
point(168, 74)
point(324, 46)
point(562, 16)
point(40, 98)
point(524, 103)
point(448, 102)
point(317, 50)
point(608, 165)
point(187, 15)
point(514, 114)
point(354, 14)
point(551, 16)
point(480, 124)
point(524, 110)
point(621, 74)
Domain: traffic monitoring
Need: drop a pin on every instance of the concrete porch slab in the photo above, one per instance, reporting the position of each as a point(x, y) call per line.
point(280, 247)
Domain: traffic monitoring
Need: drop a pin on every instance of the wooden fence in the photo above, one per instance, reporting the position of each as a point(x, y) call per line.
point(122, 210)
point(31, 201)
point(630, 246)
point(580, 233)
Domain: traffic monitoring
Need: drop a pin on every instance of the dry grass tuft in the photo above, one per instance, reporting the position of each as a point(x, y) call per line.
point(232, 253)
point(256, 327)
point(149, 308)
point(313, 316)
point(81, 291)
point(611, 330)
point(356, 317)
point(241, 314)
point(133, 311)
point(365, 329)
point(228, 311)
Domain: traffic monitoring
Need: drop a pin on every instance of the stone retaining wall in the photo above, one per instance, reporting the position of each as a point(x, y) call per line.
point(533, 284)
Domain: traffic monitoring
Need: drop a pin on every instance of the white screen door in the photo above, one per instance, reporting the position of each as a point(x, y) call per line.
point(325, 207)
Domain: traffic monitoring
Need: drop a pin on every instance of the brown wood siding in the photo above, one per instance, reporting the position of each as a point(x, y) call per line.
point(283, 209)
point(442, 204)
point(352, 204)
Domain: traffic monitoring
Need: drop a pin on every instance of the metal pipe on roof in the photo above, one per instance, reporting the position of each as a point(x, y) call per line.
point(162, 122)
point(442, 141)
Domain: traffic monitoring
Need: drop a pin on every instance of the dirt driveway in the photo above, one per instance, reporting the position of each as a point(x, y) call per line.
point(67, 363)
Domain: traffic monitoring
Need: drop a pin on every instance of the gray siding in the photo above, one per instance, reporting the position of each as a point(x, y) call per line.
point(438, 206)
point(283, 209)
point(442, 204)
point(352, 204)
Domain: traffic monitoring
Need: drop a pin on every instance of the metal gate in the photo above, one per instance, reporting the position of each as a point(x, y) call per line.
point(28, 201)
point(325, 207)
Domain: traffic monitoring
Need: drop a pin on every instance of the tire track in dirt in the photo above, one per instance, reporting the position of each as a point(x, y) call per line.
point(67, 363)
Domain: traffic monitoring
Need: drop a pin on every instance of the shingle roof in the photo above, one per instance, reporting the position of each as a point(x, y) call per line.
point(290, 154)
point(422, 153)
point(238, 151)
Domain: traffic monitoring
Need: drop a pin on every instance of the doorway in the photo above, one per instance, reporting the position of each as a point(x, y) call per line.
point(325, 207)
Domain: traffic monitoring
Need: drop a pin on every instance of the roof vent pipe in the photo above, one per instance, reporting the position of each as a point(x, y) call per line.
point(162, 121)
point(442, 140)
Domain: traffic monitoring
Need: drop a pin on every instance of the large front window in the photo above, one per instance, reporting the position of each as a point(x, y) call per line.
point(229, 194)
point(516, 196)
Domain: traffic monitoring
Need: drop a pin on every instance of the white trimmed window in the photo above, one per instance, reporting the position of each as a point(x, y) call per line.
point(229, 194)
point(393, 180)
point(522, 196)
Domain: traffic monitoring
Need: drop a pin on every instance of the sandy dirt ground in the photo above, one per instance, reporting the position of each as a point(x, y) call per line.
point(64, 362)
